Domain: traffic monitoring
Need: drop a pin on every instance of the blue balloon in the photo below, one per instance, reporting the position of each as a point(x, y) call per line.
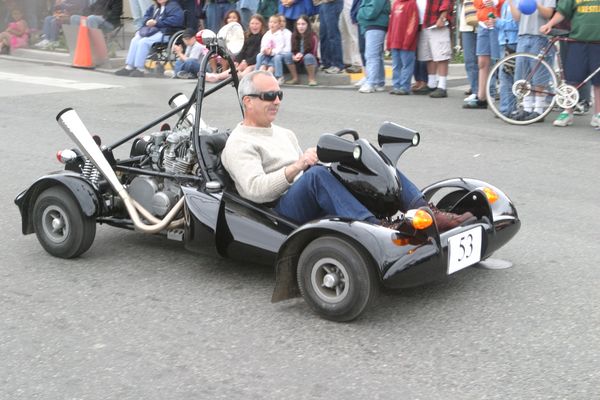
point(527, 7)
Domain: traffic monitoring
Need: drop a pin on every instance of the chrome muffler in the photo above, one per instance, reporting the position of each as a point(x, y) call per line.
point(74, 127)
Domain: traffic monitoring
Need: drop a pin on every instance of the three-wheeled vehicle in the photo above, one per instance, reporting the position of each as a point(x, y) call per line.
point(174, 184)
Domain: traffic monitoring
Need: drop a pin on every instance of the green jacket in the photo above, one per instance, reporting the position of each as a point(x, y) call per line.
point(373, 13)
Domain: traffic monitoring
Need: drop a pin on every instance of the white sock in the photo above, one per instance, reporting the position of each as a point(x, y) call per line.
point(432, 81)
point(442, 82)
point(528, 103)
point(540, 104)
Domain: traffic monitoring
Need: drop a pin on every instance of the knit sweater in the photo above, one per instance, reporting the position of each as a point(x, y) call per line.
point(256, 159)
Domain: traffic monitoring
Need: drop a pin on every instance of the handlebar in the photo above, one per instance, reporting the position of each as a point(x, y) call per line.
point(351, 132)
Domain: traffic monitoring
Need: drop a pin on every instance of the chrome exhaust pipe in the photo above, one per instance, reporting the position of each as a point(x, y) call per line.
point(76, 130)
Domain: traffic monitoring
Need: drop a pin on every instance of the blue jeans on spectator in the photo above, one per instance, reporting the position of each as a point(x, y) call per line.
point(374, 39)
point(139, 47)
point(532, 44)
point(215, 13)
point(507, 99)
point(469, 43)
point(51, 28)
point(331, 39)
point(319, 194)
point(403, 65)
point(308, 59)
point(93, 21)
point(190, 65)
point(275, 61)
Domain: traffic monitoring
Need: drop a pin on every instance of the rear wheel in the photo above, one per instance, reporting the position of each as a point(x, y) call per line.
point(521, 89)
point(60, 226)
point(337, 279)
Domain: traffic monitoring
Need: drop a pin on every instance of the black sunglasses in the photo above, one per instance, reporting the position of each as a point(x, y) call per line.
point(268, 96)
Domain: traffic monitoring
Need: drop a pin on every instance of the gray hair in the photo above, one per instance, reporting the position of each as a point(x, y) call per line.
point(246, 85)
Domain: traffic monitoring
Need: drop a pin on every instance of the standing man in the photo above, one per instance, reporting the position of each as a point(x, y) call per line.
point(434, 45)
point(350, 47)
point(331, 39)
point(268, 166)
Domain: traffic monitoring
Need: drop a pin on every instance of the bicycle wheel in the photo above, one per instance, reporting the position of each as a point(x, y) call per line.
point(170, 57)
point(526, 87)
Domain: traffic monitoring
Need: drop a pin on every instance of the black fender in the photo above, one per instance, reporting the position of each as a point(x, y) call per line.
point(83, 192)
point(368, 237)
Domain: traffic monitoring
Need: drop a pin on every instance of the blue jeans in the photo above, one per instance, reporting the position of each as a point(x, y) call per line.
point(275, 61)
point(532, 44)
point(190, 65)
point(469, 43)
point(319, 194)
point(215, 12)
point(93, 21)
point(139, 47)
point(403, 65)
point(507, 99)
point(51, 28)
point(374, 39)
point(331, 39)
point(308, 59)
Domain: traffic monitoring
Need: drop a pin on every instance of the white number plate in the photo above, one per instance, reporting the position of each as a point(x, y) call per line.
point(464, 249)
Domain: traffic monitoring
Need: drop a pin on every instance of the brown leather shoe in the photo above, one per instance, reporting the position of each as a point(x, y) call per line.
point(446, 220)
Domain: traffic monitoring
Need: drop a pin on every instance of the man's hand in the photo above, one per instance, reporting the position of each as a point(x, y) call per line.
point(309, 158)
point(546, 28)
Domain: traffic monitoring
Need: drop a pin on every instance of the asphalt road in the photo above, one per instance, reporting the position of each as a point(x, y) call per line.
point(138, 317)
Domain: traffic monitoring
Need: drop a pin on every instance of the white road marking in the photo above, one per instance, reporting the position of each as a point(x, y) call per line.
point(55, 82)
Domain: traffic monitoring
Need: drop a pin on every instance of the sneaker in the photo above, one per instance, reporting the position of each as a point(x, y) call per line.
point(185, 75)
point(380, 88)
point(471, 98)
point(438, 93)
point(423, 90)
point(123, 72)
point(354, 69)
point(533, 115)
point(323, 67)
point(366, 88)
point(468, 92)
point(563, 119)
point(583, 107)
point(292, 82)
point(399, 92)
point(136, 73)
point(360, 82)
point(476, 105)
point(312, 83)
point(595, 121)
point(169, 73)
point(447, 220)
point(333, 70)
point(42, 44)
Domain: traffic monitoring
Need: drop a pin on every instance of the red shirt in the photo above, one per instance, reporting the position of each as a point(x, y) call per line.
point(403, 26)
point(434, 9)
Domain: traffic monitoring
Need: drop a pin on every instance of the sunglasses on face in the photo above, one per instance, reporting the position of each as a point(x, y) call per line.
point(268, 96)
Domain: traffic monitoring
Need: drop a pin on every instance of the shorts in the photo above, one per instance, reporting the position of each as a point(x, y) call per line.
point(434, 45)
point(582, 59)
point(487, 43)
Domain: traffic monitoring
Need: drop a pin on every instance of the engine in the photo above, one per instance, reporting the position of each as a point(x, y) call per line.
point(165, 151)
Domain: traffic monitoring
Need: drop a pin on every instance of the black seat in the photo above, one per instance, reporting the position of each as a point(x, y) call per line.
point(211, 147)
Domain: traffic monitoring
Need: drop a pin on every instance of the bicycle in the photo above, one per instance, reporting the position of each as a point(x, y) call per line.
point(540, 87)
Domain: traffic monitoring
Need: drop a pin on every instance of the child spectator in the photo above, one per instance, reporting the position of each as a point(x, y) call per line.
point(61, 14)
point(508, 33)
point(583, 56)
point(373, 19)
point(531, 41)
point(304, 50)
point(15, 35)
point(246, 58)
point(188, 61)
point(488, 47)
point(402, 41)
point(272, 45)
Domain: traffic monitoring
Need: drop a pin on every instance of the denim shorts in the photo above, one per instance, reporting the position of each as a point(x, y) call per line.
point(582, 59)
point(487, 43)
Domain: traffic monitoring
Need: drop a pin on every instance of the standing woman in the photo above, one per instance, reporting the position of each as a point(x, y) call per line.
point(304, 50)
point(163, 18)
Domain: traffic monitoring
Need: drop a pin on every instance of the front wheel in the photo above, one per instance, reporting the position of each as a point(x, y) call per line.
point(60, 226)
point(521, 89)
point(336, 278)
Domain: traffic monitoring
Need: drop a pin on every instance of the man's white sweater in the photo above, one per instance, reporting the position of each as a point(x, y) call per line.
point(256, 159)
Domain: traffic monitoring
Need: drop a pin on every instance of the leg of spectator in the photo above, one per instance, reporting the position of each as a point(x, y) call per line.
point(324, 43)
point(469, 41)
point(408, 66)
point(143, 49)
point(331, 17)
point(310, 63)
point(374, 39)
point(278, 65)
point(396, 66)
point(131, 54)
point(349, 34)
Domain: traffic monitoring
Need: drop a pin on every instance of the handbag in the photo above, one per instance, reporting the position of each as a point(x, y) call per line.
point(470, 13)
point(146, 31)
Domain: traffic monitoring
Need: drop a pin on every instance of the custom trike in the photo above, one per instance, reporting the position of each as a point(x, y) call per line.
point(173, 184)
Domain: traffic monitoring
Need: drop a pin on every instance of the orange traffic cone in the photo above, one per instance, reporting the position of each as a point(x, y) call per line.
point(83, 52)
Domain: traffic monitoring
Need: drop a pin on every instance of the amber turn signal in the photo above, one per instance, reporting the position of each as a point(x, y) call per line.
point(490, 194)
point(419, 219)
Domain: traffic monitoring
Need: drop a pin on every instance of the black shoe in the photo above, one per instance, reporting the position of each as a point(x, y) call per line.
point(535, 115)
point(468, 92)
point(438, 93)
point(124, 72)
point(476, 105)
point(136, 73)
point(424, 90)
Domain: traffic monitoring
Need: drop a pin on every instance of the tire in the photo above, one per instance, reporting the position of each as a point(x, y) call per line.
point(170, 57)
point(505, 71)
point(336, 278)
point(60, 226)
